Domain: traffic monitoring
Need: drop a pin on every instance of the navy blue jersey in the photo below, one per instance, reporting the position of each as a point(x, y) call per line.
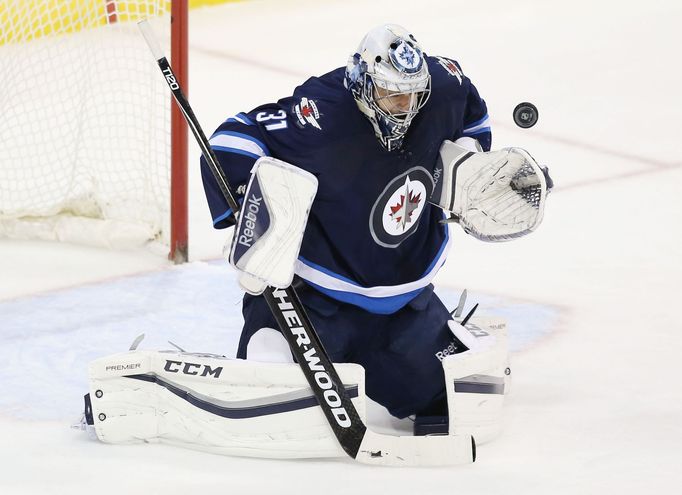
point(372, 238)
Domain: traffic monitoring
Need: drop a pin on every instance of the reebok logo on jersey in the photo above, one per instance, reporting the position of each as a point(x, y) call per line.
point(449, 350)
point(436, 175)
point(307, 113)
point(451, 68)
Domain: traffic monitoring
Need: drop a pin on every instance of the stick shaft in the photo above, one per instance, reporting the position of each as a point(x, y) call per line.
point(188, 113)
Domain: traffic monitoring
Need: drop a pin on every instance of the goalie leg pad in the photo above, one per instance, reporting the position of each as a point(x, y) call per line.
point(478, 379)
point(215, 404)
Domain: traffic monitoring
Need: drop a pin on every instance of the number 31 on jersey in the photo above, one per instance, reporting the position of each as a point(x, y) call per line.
point(279, 118)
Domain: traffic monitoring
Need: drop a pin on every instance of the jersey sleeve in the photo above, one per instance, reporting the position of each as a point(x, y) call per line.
point(469, 109)
point(294, 129)
point(237, 143)
point(476, 121)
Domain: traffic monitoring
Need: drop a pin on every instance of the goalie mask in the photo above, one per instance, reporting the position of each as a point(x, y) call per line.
point(390, 81)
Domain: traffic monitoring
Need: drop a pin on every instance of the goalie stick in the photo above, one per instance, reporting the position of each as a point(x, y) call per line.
point(356, 440)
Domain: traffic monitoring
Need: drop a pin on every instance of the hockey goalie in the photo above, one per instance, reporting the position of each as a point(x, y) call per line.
point(345, 192)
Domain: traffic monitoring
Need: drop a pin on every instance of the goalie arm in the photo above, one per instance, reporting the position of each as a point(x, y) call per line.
point(496, 195)
point(236, 144)
point(274, 197)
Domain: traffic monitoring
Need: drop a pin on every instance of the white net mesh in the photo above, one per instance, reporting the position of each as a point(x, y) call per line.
point(85, 127)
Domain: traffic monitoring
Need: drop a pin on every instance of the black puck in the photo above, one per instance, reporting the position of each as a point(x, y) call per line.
point(525, 115)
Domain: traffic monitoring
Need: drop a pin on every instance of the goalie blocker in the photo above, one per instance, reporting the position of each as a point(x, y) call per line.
point(270, 227)
point(247, 408)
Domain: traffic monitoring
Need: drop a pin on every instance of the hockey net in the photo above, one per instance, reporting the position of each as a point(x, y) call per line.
point(85, 140)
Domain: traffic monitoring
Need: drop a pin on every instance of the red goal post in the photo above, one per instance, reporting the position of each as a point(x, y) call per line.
point(179, 201)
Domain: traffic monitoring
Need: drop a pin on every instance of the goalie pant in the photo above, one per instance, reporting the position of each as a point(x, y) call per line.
point(401, 352)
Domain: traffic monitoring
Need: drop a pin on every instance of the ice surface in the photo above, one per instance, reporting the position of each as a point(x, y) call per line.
point(596, 407)
point(47, 337)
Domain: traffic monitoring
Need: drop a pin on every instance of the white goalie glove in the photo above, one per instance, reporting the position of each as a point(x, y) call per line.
point(495, 195)
point(270, 228)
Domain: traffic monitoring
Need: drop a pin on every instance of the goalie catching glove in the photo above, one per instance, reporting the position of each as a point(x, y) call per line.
point(270, 228)
point(495, 195)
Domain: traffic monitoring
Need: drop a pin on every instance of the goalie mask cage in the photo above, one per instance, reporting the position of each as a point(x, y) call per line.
point(91, 149)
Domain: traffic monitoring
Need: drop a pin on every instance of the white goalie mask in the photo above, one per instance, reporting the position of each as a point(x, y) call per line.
point(390, 81)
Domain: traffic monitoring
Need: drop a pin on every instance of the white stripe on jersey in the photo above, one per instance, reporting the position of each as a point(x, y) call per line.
point(485, 123)
point(231, 141)
point(328, 281)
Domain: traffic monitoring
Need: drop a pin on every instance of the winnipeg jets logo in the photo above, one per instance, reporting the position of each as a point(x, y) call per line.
point(398, 209)
point(405, 57)
point(451, 68)
point(406, 206)
point(307, 113)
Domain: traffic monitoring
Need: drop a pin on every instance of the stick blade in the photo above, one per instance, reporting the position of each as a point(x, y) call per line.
point(438, 450)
